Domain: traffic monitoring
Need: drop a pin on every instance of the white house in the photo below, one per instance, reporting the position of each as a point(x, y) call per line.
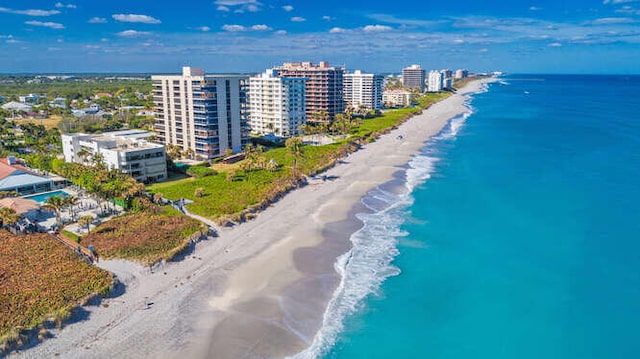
point(128, 151)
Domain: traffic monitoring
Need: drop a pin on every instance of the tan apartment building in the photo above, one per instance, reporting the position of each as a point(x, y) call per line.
point(206, 113)
point(324, 87)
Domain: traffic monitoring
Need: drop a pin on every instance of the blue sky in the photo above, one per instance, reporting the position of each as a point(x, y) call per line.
point(561, 36)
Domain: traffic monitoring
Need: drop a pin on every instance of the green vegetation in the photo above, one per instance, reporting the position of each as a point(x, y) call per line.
point(130, 237)
point(200, 171)
point(41, 280)
point(70, 235)
point(235, 192)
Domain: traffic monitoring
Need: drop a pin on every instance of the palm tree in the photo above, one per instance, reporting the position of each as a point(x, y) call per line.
point(86, 221)
point(8, 216)
point(294, 144)
point(56, 204)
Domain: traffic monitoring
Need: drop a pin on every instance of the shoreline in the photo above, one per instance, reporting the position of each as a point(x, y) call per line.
point(259, 289)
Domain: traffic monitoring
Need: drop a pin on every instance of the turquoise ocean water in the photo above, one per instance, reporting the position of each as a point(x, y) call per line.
point(516, 234)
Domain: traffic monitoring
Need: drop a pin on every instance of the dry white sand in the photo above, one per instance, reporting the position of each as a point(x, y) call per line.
point(258, 290)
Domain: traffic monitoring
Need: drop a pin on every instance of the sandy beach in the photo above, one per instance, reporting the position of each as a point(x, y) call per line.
point(259, 289)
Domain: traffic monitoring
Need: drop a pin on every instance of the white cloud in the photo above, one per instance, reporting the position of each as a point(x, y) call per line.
point(204, 28)
point(234, 28)
point(555, 44)
point(377, 28)
point(287, 8)
point(618, 1)
point(281, 32)
point(239, 28)
point(240, 6)
point(97, 20)
point(145, 19)
point(327, 18)
point(30, 12)
point(60, 5)
point(235, 2)
point(484, 50)
point(612, 20)
point(298, 19)
point(458, 41)
point(260, 27)
point(132, 33)
point(51, 25)
point(337, 30)
point(534, 8)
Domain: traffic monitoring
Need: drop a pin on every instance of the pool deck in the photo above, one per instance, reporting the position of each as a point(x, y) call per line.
point(86, 205)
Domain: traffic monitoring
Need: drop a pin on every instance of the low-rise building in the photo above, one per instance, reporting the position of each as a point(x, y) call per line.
point(15, 176)
point(127, 151)
point(397, 98)
point(17, 106)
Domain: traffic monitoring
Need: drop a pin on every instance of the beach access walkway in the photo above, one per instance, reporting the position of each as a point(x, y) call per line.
point(180, 205)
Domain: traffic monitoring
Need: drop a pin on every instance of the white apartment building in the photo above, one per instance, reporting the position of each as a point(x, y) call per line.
point(413, 77)
point(127, 151)
point(461, 74)
point(363, 90)
point(276, 104)
point(204, 113)
point(436, 81)
point(397, 98)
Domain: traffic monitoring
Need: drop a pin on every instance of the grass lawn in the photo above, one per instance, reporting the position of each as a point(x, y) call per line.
point(224, 198)
point(48, 123)
point(41, 279)
point(144, 237)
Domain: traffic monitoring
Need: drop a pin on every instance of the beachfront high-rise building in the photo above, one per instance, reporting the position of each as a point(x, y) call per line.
point(207, 114)
point(447, 79)
point(276, 104)
point(323, 89)
point(413, 77)
point(436, 81)
point(461, 74)
point(363, 90)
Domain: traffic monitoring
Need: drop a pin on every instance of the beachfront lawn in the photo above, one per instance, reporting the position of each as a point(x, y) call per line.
point(225, 198)
point(144, 237)
point(41, 279)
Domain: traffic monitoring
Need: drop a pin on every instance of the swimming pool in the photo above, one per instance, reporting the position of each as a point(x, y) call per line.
point(42, 197)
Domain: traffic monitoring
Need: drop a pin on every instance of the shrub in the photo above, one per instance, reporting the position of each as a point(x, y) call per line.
point(201, 171)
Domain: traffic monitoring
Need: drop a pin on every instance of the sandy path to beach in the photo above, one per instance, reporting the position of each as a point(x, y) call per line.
point(258, 290)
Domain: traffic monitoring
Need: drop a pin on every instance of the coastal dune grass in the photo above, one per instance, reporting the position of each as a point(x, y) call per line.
point(42, 280)
point(249, 189)
point(145, 237)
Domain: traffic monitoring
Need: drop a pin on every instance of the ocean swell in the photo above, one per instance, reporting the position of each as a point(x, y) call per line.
point(368, 264)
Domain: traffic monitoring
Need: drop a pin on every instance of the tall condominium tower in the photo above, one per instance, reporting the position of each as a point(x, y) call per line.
point(324, 86)
point(413, 77)
point(436, 81)
point(207, 114)
point(363, 90)
point(276, 104)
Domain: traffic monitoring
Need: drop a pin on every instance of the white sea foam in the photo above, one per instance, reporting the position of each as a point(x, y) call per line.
point(369, 262)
